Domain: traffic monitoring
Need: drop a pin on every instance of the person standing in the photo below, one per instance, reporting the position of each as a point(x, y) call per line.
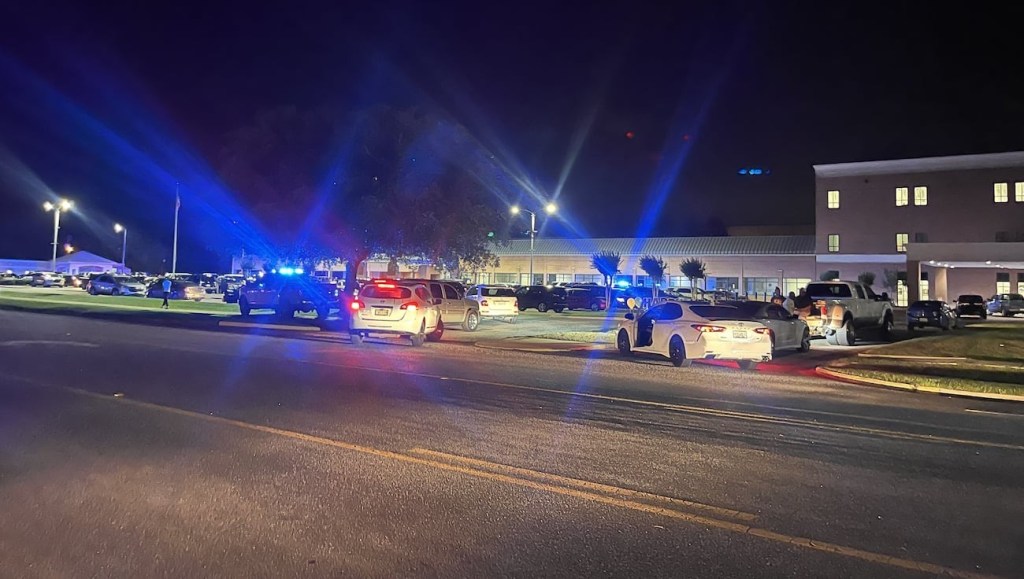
point(789, 303)
point(166, 285)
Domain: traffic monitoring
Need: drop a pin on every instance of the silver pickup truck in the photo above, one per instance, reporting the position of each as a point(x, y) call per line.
point(842, 309)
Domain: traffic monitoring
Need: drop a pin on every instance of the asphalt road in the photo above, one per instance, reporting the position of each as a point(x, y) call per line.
point(128, 450)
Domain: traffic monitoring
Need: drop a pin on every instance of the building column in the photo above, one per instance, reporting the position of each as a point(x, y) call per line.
point(913, 280)
point(938, 286)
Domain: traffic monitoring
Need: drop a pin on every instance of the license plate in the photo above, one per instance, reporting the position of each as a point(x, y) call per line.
point(381, 311)
point(739, 334)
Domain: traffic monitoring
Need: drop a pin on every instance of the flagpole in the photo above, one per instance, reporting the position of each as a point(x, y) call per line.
point(177, 206)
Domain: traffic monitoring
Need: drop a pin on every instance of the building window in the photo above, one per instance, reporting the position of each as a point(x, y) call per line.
point(920, 195)
point(902, 196)
point(678, 281)
point(587, 278)
point(1020, 283)
point(623, 280)
point(559, 278)
point(1018, 191)
point(923, 286)
point(901, 242)
point(793, 284)
point(762, 287)
point(833, 243)
point(1000, 193)
point(1003, 282)
point(833, 199)
point(506, 278)
point(724, 283)
point(920, 238)
point(644, 281)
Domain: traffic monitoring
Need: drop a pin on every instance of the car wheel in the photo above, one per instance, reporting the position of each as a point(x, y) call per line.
point(92, 291)
point(747, 364)
point(435, 336)
point(847, 335)
point(115, 292)
point(677, 352)
point(595, 307)
point(522, 308)
point(622, 341)
point(559, 310)
point(984, 315)
point(887, 329)
point(472, 321)
point(418, 339)
point(1006, 313)
point(513, 319)
point(357, 339)
point(542, 307)
point(944, 324)
point(805, 342)
point(322, 312)
point(243, 307)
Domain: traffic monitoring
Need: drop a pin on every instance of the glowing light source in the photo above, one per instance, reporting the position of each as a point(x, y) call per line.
point(630, 134)
point(118, 228)
point(551, 208)
point(514, 210)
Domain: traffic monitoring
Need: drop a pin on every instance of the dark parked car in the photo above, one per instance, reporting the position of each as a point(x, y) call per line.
point(925, 313)
point(541, 297)
point(971, 305)
point(620, 296)
point(585, 298)
point(1006, 304)
point(180, 290)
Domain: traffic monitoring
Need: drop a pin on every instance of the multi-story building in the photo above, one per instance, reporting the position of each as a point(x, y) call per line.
point(945, 225)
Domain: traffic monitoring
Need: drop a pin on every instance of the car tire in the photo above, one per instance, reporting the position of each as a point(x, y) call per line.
point(677, 353)
point(522, 308)
point(115, 292)
point(243, 307)
point(418, 339)
point(92, 291)
point(559, 310)
point(945, 325)
point(357, 339)
point(984, 315)
point(805, 342)
point(595, 307)
point(322, 312)
point(622, 342)
point(1006, 313)
point(472, 321)
point(748, 365)
point(435, 336)
point(847, 335)
point(887, 329)
point(542, 307)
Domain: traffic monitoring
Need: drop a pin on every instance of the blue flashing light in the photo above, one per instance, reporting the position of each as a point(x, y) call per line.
point(286, 271)
point(299, 271)
point(742, 171)
point(755, 171)
point(622, 283)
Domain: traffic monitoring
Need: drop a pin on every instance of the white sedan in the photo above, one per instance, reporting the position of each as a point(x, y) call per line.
point(683, 332)
point(396, 308)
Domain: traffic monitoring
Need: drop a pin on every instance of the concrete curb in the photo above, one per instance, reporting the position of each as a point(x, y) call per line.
point(538, 348)
point(864, 381)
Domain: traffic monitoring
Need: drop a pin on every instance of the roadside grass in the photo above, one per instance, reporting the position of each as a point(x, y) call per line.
point(63, 300)
point(994, 364)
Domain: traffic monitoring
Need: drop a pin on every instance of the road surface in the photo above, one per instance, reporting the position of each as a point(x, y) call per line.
point(128, 450)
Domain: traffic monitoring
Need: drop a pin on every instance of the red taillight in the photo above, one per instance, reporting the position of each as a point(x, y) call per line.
point(516, 304)
point(707, 328)
point(763, 331)
point(355, 305)
point(409, 306)
point(483, 303)
point(386, 285)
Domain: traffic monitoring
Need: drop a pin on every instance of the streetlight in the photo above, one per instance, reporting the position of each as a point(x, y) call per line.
point(118, 228)
point(60, 205)
point(550, 208)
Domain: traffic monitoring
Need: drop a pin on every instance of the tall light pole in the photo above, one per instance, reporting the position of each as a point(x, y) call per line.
point(60, 205)
point(550, 208)
point(118, 228)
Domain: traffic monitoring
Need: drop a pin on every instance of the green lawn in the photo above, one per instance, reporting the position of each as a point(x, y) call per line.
point(994, 353)
point(50, 299)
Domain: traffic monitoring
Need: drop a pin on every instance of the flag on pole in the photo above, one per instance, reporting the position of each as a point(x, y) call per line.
point(177, 201)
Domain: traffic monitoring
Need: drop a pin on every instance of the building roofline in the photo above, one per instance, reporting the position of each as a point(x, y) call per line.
point(924, 164)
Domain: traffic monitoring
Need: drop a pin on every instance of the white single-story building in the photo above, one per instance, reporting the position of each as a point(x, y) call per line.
point(73, 263)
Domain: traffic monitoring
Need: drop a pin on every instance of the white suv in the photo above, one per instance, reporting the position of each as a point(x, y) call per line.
point(391, 308)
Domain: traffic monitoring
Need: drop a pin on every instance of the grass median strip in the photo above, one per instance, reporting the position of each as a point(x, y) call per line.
point(983, 358)
point(86, 301)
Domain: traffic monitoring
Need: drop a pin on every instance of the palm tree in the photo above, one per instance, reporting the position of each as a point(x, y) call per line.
point(655, 269)
point(693, 268)
point(607, 263)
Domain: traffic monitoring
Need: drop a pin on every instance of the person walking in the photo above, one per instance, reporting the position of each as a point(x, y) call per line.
point(166, 285)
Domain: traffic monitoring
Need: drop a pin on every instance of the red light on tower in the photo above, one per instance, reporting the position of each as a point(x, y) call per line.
point(686, 137)
point(630, 134)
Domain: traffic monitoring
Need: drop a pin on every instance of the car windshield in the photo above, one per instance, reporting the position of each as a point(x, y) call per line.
point(1017, 297)
point(717, 312)
point(926, 304)
point(386, 291)
point(123, 279)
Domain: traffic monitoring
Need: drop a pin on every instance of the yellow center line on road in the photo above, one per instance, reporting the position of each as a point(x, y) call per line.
point(706, 521)
point(583, 484)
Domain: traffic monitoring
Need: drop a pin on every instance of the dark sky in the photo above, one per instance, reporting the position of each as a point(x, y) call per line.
point(113, 102)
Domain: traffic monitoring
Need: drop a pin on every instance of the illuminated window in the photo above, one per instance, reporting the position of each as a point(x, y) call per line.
point(1018, 191)
point(833, 243)
point(902, 196)
point(1000, 193)
point(833, 198)
point(1020, 283)
point(920, 195)
point(1003, 282)
point(901, 242)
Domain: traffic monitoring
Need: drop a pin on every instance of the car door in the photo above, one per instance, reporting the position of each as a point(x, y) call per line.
point(668, 316)
point(645, 328)
point(783, 326)
point(454, 306)
point(437, 294)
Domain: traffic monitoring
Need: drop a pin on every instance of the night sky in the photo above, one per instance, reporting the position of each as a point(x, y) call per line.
point(110, 104)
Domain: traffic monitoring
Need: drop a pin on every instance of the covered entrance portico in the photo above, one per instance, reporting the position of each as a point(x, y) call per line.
point(953, 269)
